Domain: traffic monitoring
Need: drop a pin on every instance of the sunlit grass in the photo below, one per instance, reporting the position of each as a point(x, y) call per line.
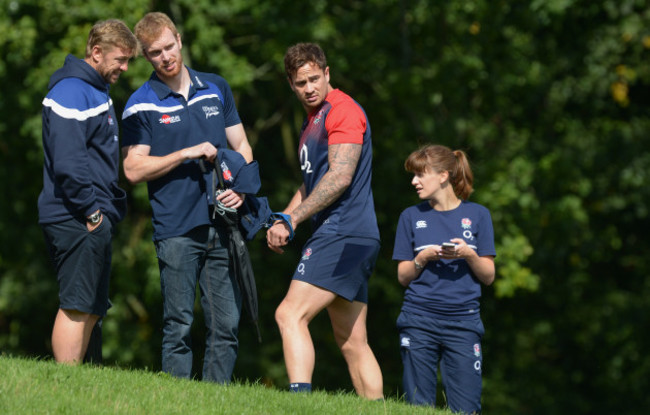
point(29, 386)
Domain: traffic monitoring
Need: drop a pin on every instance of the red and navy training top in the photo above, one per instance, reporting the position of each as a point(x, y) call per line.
point(340, 120)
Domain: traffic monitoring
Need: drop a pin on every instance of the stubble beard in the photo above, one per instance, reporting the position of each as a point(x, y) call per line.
point(178, 67)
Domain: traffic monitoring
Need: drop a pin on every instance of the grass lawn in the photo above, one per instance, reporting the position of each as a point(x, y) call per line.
point(29, 386)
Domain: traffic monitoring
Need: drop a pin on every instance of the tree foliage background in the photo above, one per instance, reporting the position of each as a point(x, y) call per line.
point(550, 98)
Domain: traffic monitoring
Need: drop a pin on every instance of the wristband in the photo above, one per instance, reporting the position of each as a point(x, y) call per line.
point(284, 218)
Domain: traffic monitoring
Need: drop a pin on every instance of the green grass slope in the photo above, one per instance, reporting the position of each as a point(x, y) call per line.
point(30, 386)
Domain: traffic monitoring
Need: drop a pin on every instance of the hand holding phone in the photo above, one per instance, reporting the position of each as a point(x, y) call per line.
point(448, 250)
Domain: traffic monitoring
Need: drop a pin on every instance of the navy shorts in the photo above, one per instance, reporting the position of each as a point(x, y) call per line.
point(455, 346)
point(82, 261)
point(340, 264)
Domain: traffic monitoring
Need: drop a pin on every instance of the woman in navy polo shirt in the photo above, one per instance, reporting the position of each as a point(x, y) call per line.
point(445, 249)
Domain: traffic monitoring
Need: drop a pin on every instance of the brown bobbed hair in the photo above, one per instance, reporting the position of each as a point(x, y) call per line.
point(301, 54)
point(109, 34)
point(439, 158)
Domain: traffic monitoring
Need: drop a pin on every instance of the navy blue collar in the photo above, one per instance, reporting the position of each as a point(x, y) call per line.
point(163, 91)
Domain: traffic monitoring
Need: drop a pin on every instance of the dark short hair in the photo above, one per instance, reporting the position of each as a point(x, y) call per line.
point(301, 54)
point(111, 33)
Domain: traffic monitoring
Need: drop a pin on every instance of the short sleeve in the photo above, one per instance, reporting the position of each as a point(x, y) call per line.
point(135, 130)
point(485, 245)
point(345, 124)
point(403, 248)
point(231, 116)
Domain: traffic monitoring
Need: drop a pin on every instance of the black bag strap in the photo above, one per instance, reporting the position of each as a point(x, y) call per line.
point(219, 174)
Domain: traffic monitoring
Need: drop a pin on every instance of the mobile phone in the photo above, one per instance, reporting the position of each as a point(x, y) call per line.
point(448, 245)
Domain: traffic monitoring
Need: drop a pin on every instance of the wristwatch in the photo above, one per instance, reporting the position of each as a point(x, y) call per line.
point(94, 218)
point(418, 267)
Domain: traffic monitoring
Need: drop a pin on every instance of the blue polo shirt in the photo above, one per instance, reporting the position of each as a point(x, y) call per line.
point(162, 119)
point(446, 288)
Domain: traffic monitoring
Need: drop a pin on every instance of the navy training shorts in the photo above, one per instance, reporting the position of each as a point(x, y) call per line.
point(82, 261)
point(340, 264)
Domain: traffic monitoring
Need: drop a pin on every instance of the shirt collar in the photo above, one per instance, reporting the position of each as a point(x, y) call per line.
point(163, 91)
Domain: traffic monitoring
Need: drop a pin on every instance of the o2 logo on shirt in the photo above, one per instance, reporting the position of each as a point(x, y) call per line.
point(305, 164)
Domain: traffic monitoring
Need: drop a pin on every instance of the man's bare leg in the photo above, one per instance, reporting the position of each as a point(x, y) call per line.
point(349, 325)
point(301, 304)
point(71, 334)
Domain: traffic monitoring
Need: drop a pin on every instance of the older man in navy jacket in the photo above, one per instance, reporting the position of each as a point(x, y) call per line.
point(81, 201)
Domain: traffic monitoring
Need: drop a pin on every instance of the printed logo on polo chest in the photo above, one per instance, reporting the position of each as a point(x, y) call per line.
point(169, 119)
point(466, 225)
point(210, 111)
